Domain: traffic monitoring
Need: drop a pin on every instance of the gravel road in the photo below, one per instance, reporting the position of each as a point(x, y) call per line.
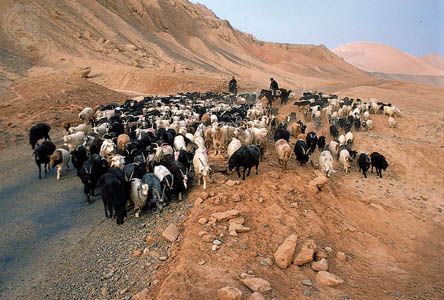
point(55, 246)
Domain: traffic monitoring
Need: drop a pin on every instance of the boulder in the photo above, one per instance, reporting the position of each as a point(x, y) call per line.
point(318, 183)
point(285, 252)
point(306, 253)
point(328, 279)
point(203, 221)
point(229, 293)
point(257, 284)
point(171, 233)
point(341, 256)
point(321, 265)
point(83, 72)
point(226, 215)
point(236, 228)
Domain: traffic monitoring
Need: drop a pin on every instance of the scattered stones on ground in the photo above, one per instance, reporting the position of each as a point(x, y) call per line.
point(171, 233)
point(203, 221)
point(320, 254)
point(137, 253)
point(307, 282)
point(328, 279)
point(266, 262)
point(306, 253)
point(341, 256)
point(208, 237)
point(215, 247)
point(226, 215)
point(321, 265)
point(257, 284)
point(229, 293)
point(285, 252)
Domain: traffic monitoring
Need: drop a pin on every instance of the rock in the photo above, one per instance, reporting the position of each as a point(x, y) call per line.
point(136, 63)
point(260, 199)
point(341, 256)
point(236, 228)
point(123, 291)
point(266, 262)
point(202, 262)
point(229, 293)
point(307, 282)
point(83, 72)
point(306, 253)
point(215, 247)
point(208, 238)
point(285, 252)
point(101, 40)
point(237, 220)
point(232, 183)
point(256, 296)
point(318, 183)
point(171, 233)
point(237, 198)
point(198, 201)
point(328, 279)
point(328, 249)
point(321, 265)
point(204, 195)
point(203, 221)
point(144, 294)
point(202, 233)
point(163, 258)
point(78, 35)
point(212, 220)
point(226, 215)
point(104, 291)
point(246, 275)
point(257, 284)
point(217, 242)
point(108, 275)
point(137, 253)
point(307, 293)
point(320, 254)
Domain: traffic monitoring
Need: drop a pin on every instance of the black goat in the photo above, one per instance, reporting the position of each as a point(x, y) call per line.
point(37, 132)
point(42, 154)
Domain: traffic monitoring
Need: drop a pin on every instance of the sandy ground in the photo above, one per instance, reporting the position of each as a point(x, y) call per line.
point(390, 228)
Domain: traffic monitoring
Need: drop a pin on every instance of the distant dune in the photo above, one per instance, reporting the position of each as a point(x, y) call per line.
point(374, 57)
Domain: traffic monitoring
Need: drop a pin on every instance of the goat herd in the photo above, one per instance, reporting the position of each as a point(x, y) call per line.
point(145, 151)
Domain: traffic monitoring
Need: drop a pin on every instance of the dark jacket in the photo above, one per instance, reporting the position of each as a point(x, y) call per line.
point(232, 85)
point(274, 85)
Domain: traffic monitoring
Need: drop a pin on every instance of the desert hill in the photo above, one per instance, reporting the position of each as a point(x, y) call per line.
point(126, 41)
point(375, 57)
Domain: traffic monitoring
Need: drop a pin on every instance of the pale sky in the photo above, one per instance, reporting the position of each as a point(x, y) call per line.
point(414, 26)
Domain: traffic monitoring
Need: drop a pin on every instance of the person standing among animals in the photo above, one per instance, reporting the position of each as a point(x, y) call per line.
point(273, 86)
point(232, 86)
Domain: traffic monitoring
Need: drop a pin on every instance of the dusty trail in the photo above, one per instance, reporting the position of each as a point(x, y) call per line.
point(40, 218)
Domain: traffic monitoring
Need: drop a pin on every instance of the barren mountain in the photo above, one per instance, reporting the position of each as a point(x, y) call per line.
point(435, 60)
point(374, 57)
point(127, 41)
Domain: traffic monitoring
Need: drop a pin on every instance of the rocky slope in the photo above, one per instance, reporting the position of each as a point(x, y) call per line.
point(125, 41)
